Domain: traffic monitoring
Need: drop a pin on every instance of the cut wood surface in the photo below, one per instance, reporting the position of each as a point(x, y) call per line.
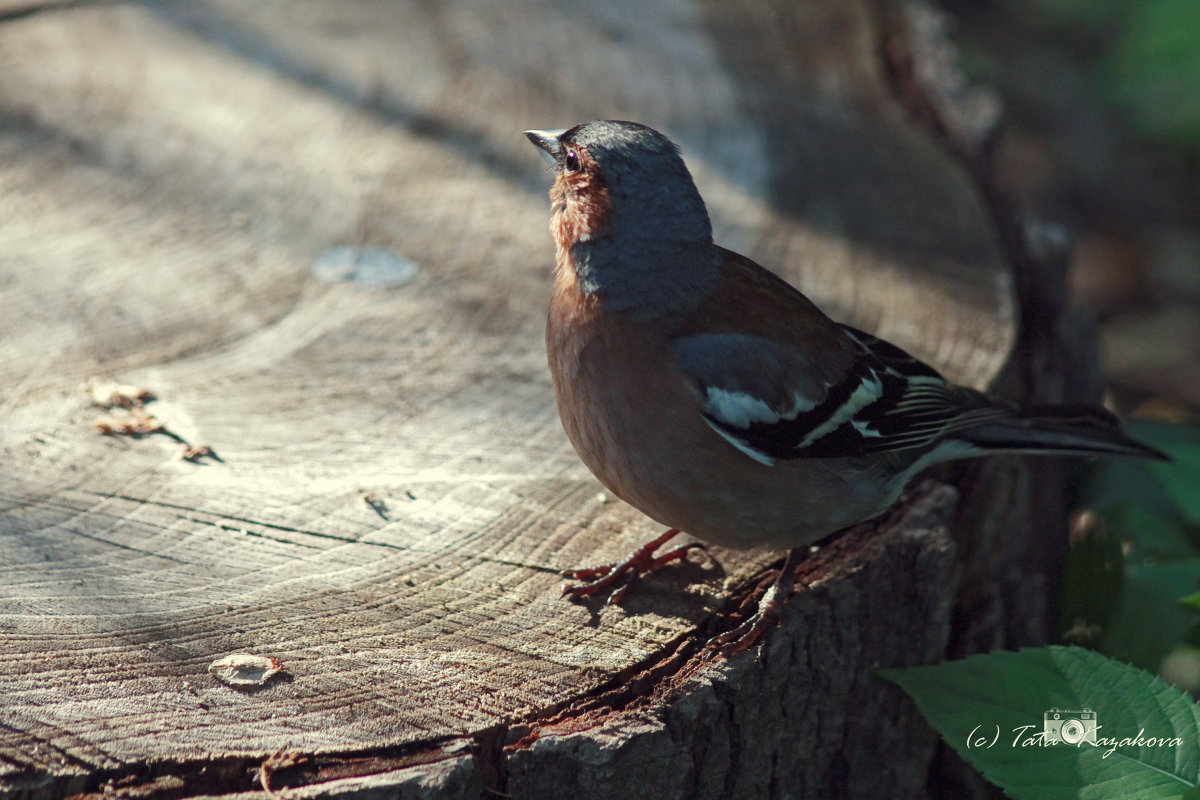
point(315, 233)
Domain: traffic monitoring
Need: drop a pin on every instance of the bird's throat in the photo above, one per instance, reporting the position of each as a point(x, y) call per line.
point(649, 254)
point(645, 277)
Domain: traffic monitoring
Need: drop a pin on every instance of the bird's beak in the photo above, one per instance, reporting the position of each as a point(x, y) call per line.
point(548, 142)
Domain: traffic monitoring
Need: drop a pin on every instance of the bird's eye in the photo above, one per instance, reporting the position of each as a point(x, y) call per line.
point(572, 161)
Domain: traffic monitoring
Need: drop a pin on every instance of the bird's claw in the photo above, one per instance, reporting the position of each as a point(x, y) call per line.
point(587, 574)
point(747, 633)
point(618, 577)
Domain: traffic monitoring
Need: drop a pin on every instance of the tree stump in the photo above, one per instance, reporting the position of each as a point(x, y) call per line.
point(315, 234)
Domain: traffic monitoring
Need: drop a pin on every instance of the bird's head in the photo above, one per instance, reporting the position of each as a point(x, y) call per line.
point(626, 214)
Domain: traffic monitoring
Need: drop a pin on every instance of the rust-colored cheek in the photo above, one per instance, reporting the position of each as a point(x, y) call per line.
point(581, 206)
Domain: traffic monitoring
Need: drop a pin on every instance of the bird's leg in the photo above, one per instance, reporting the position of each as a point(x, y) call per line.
point(746, 634)
point(619, 576)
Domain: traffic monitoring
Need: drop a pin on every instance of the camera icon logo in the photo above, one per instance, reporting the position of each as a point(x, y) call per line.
point(1070, 726)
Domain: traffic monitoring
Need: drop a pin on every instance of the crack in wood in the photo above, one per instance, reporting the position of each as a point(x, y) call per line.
point(190, 516)
point(170, 779)
point(654, 680)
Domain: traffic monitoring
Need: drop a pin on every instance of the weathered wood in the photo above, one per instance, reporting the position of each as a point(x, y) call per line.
point(394, 494)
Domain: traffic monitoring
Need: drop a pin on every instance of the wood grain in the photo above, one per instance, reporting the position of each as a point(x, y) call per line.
point(170, 175)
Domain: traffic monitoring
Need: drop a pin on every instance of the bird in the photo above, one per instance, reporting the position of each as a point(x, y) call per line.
point(714, 397)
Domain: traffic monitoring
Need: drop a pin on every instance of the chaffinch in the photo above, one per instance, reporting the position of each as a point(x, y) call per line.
point(717, 399)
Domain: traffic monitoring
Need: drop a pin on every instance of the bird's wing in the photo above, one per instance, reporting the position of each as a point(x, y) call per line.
point(773, 401)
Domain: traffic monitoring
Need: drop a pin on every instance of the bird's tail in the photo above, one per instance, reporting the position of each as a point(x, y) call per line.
point(1059, 430)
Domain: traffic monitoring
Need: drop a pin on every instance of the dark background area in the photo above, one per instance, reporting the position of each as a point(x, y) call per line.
point(1102, 135)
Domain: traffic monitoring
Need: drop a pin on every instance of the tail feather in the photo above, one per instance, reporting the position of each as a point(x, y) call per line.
point(1060, 430)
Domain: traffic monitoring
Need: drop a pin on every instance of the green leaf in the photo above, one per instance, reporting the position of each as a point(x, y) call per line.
point(1154, 70)
point(1125, 480)
point(992, 710)
point(1192, 601)
point(1145, 620)
point(1092, 16)
point(1181, 477)
point(1148, 508)
point(1155, 538)
point(1148, 621)
point(1093, 581)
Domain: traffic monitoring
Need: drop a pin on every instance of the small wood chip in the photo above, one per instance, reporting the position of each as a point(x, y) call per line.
point(195, 452)
point(245, 669)
point(136, 423)
point(110, 394)
point(376, 503)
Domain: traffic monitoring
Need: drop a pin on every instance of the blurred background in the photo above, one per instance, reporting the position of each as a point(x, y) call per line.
point(1102, 135)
